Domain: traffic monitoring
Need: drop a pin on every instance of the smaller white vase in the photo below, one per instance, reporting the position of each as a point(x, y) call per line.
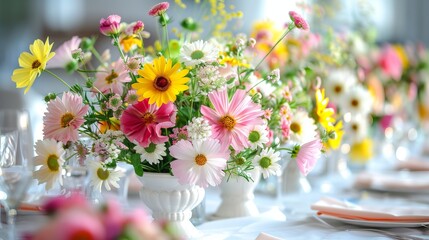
point(171, 201)
point(237, 196)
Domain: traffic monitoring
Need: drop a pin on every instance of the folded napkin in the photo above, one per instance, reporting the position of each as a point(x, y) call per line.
point(393, 181)
point(413, 164)
point(265, 236)
point(342, 209)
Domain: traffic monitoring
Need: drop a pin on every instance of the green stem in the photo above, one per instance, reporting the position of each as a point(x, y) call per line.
point(57, 77)
point(116, 40)
point(166, 40)
point(292, 26)
point(96, 54)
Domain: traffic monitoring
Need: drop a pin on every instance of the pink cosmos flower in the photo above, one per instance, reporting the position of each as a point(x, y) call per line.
point(72, 224)
point(112, 78)
point(110, 25)
point(64, 203)
point(142, 122)
point(159, 9)
point(299, 21)
point(232, 121)
point(308, 155)
point(390, 62)
point(64, 117)
point(64, 54)
point(199, 162)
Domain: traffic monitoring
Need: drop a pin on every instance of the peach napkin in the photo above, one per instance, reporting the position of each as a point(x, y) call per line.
point(341, 209)
point(265, 236)
point(413, 164)
point(393, 181)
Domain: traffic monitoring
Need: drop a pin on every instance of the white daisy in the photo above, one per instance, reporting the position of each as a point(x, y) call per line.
point(153, 153)
point(199, 162)
point(199, 129)
point(100, 174)
point(302, 127)
point(338, 83)
point(258, 136)
point(267, 162)
point(358, 128)
point(50, 156)
point(357, 101)
point(264, 87)
point(198, 52)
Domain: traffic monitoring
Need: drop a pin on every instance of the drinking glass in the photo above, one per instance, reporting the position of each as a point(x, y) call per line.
point(16, 153)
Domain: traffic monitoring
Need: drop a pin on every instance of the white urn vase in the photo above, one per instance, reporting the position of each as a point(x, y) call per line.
point(171, 201)
point(237, 195)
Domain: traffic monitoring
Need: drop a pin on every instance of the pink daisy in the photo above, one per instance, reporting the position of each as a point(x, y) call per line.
point(64, 54)
point(142, 122)
point(64, 117)
point(232, 121)
point(110, 25)
point(308, 155)
point(112, 78)
point(298, 21)
point(199, 162)
point(159, 9)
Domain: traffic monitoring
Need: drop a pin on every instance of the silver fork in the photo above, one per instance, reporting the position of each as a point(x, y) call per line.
point(376, 230)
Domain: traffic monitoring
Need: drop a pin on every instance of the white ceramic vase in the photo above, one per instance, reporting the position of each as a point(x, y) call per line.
point(237, 196)
point(171, 201)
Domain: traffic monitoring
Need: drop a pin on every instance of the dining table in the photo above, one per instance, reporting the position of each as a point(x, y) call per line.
point(288, 217)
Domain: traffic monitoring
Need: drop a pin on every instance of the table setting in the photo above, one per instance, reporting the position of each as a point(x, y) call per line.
point(206, 133)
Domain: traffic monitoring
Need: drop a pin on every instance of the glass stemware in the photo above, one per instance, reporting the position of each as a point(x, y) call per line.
point(16, 153)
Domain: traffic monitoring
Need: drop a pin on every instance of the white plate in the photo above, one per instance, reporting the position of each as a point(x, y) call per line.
point(377, 224)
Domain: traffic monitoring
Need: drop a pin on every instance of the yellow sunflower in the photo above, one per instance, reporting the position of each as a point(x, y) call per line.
point(32, 64)
point(324, 115)
point(160, 81)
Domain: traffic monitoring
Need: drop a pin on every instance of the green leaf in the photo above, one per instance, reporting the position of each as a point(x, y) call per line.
point(135, 160)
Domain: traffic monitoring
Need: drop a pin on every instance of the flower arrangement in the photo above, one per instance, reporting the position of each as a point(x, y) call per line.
point(197, 109)
point(73, 217)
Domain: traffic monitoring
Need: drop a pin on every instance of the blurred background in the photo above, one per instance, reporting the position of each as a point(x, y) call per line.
point(22, 21)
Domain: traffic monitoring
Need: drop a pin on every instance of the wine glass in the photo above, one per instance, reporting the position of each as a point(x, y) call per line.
point(16, 153)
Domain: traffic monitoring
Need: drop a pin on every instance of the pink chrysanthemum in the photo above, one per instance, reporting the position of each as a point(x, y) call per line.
point(159, 9)
point(110, 25)
point(64, 54)
point(64, 117)
point(232, 121)
point(299, 21)
point(112, 78)
point(142, 122)
point(308, 155)
point(200, 162)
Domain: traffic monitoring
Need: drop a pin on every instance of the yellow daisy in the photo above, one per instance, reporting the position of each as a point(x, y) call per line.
point(32, 64)
point(160, 81)
point(130, 42)
point(324, 115)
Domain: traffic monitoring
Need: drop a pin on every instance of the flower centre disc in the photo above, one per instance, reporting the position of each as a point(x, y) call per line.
point(53, 163)
point(265, 162)
point(355, 103)
point(200, 159)
point(148, 118)
point(197, 54)
point(227, 122)
point(338, 89)
point(161, 83)
point(295, 127)
point(254, 136)
point(109, 79)
point(102, 174)
point(35, 64)
point(66, 119)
